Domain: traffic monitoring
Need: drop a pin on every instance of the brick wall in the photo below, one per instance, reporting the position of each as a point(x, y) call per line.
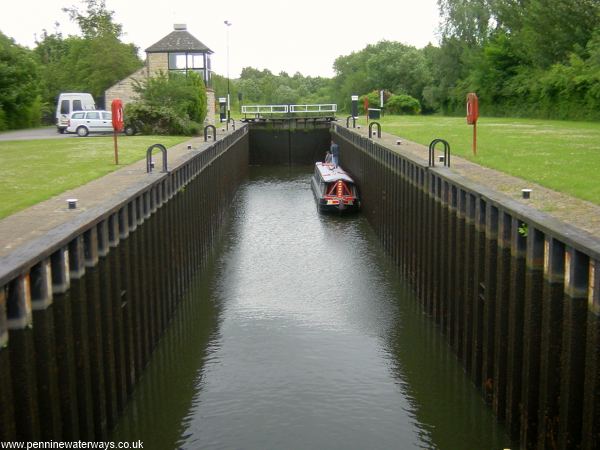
point(157, 62)
point(124, 88)
point(211, 111)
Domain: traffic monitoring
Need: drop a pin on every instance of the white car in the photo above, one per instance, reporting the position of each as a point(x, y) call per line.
point(86, 122)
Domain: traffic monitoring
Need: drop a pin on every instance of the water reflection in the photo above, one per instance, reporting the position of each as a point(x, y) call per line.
point(302, 336)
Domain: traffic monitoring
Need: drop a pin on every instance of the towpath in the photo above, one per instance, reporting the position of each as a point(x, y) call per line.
point(39, 219)
point(580, 213)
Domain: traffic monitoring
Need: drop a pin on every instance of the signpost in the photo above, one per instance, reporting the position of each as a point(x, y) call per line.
point(472, 116)
point(354, 99)
point(117, 123)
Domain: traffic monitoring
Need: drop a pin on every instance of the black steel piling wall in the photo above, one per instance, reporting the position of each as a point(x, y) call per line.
point(82, 310)
point(516, 293)
point(288, 142)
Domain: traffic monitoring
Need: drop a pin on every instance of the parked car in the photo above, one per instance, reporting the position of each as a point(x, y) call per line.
point(86, 122)
point(69, 102)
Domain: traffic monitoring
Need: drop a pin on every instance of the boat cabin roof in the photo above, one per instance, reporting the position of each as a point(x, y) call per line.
point(330, 173)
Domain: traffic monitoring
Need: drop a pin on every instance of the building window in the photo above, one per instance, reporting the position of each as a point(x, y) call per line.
point(185, 62)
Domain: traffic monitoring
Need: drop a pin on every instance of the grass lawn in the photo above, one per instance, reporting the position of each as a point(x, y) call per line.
point(35, 170)
point(560, 155)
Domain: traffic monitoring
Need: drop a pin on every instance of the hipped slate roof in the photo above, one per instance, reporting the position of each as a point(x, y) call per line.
point(178, 41)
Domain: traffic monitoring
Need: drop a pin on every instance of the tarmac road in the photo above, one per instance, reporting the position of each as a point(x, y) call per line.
point(34, 133)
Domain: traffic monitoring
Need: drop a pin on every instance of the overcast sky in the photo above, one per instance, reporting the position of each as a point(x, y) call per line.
point(280, 35)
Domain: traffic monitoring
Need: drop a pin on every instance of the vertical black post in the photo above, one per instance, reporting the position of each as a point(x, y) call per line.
point(532, 322)
point(452, 249)
point(551, 342)
point(458, 274)
point(591, 411)
point(502, 307)
point(7, 413)
point(114, 274)
point(79, 304)
point(94, 321)
point(515, 329)
point(577, 270)
point(108, 336)
point(65, 349)
point(469, 281)
point(479, 291)
point(22, 359)
point(127, 301)
point(45, 349)
point(489, 306)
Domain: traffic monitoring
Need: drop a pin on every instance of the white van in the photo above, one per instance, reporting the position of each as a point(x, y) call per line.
point(69, 102)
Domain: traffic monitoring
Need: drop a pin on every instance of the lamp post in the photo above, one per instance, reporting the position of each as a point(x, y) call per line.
point(228, 24)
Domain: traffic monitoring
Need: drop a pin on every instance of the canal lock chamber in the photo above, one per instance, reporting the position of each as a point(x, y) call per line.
point(484, 284)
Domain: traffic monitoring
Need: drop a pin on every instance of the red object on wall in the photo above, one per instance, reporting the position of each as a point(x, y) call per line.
point(472, 108)
point(117, 114)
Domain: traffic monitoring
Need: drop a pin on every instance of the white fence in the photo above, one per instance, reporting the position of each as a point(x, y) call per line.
point(313, 108)
point(265, 109)
point(285, 109)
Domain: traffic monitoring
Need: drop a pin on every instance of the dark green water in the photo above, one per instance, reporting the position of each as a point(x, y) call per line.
point(301, 336)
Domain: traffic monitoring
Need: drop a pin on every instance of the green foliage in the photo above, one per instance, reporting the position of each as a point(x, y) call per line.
point(373, 98)
point(263, 87)
point(96, 21)
point(184, 94)
point(523, 229)
point(534, 59)
point(91, 63)
point(169, 104)
point(403, 104)
point(19, 86)
point(393, 104)
point(159, 120)
point(391, 66)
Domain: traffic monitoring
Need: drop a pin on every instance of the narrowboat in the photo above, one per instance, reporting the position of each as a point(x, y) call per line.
point(334, 189)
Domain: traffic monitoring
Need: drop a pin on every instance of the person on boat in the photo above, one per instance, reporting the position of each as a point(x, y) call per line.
point(335, 153)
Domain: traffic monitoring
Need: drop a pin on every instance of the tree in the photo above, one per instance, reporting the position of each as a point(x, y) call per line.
point(96, 21)
point(91, 63)
point(19, 86)
point(285, 95)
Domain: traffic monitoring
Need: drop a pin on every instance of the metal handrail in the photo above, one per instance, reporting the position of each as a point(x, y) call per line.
point(265, 109)
point(329, 107)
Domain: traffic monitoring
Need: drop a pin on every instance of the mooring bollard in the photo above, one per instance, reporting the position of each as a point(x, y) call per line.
point(72, 203)
point(206, 135)
point(446, 157)
point(371, 132)
point(150, 162)
point(526, 193)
